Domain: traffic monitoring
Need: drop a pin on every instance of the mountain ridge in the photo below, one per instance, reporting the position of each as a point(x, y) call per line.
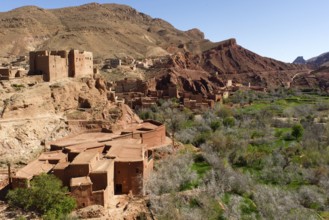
point(106, 29)
point(315, 62)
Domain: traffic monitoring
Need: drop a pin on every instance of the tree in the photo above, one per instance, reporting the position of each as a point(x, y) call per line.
point(172, 117)
point(297, 131)
point(46, 196)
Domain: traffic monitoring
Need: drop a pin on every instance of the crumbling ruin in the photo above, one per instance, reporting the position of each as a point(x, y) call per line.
point(54, 65)
point(8, 73)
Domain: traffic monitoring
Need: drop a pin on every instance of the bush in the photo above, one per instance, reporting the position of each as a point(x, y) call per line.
point(46, 196)
point(297, 131)
point(229, 122)
point(215, 125)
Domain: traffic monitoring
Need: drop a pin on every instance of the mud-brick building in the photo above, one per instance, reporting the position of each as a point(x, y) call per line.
point(7, 73)
point(97, 166)
point(44, 164)
point(54, 65)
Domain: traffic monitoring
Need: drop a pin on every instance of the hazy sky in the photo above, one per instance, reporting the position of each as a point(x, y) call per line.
point(281, 29)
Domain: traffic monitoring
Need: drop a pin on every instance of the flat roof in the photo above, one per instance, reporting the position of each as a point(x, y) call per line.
point(84, 146)
point(126, 150)
point(103, 137)
point(103, 166)
point(34, 168)
point(142, 127)
point(80, 181)
point(84, 157)
point(61, 166)
point(52, 155)
point(83, 138)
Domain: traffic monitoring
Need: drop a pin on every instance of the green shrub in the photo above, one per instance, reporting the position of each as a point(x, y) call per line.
point(46, 196)
point(297, 131)
point(248, 207)
point(201, 138)
point(215, 125)
point(229, 122)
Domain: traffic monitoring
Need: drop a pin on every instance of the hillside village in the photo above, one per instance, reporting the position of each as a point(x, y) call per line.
point(159, 123)
point(105, 163)
point(98, 164)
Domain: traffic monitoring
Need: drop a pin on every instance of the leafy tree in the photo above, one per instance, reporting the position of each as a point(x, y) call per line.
point(297, 131)
point(46, 196)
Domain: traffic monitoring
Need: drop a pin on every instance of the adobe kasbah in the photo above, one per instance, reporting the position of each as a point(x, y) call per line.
point(95, 165)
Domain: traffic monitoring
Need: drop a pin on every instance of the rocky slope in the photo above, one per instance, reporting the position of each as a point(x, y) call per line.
point(32, 113)
point(108, 30)
point(206, 72)
point(318, 79)
point(319, 61)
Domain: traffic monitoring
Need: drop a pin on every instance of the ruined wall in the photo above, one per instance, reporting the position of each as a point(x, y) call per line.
point(80, 63)
point(55, 65)
point(5, 74)
point(128, 175)
point(137, 86)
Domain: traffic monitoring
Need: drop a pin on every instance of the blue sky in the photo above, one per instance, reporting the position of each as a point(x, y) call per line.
point(281, 29)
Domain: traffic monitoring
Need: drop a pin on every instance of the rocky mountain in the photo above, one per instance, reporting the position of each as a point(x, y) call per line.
point(315, 62)
point(206, 72)
point(109, 30)
point(299, 60)
point(319, 61)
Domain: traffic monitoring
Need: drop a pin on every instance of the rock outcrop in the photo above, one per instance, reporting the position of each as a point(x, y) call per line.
point(206, 72)
point(299, 60)
point(34, 113)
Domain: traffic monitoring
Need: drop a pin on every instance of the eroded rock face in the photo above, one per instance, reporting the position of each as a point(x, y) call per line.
point(33, 115)
point(210, 70)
